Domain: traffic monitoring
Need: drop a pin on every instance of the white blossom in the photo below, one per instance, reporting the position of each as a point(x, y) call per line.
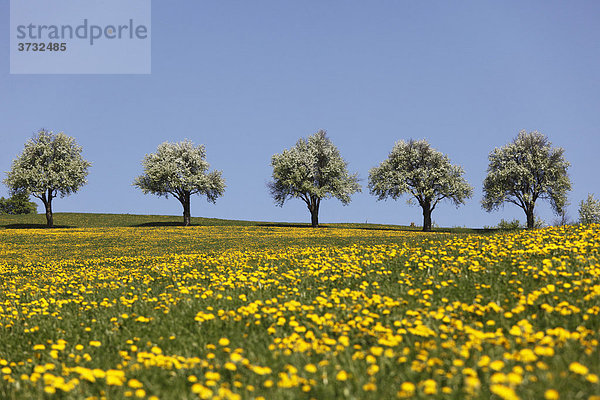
point(50, 165)
point(525, 170)
point(180, 169)
point(312, 170)
point(589, 211)
point(415, 168)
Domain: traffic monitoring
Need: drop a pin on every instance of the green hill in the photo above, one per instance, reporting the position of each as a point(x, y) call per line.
point(92, 220)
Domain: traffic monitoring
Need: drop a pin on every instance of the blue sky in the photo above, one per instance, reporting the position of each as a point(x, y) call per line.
point(247, 79)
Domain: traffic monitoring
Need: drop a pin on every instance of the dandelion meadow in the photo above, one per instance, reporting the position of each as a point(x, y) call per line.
point(253, 312)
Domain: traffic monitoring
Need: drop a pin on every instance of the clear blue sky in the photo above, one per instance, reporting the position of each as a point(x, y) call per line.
point(248, 78)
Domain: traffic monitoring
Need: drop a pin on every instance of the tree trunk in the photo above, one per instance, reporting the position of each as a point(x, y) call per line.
point(314, 218)
point(314, 212)
point(47, 200)
point(426, 218)
point(186, 210)
point(530, 216)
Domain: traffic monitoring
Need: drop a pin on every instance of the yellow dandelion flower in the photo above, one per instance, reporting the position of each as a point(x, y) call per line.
point(551, 394)
point(310, 368)
point(578, 368)
point(342, 375)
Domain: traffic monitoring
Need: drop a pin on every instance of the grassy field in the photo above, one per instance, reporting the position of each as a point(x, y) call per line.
point(88, 220)
point(82, 220)
point(132, 307)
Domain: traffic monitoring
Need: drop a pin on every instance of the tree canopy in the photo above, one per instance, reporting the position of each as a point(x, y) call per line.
point(17, 204)
point(312, 170)
point(417, 169)
point(589, 210)
point(50, 165)
point(525, 170)
point(181, 170)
